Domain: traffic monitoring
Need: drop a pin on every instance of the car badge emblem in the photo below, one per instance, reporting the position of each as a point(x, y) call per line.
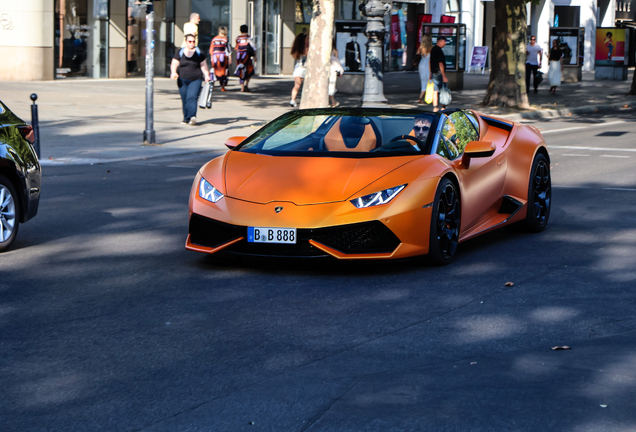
point(278, 209)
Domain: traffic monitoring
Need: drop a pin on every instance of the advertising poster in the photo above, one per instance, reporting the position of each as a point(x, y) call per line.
point(610, 47)
point(301, 28)
point(351, 44)
point(567, 41)
point(478, 57)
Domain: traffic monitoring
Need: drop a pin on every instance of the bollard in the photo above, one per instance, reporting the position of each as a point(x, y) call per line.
point(35, 124)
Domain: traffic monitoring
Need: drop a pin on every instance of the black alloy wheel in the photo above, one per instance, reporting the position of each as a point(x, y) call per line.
point(539, 195)
point(445, 223)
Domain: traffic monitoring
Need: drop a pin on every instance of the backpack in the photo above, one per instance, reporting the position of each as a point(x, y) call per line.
point(197, 50)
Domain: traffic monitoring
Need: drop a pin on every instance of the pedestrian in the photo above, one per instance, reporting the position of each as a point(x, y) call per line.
point(221, 56)
point(245, 52)
point(299, 53)
point(438, 70)
point(424, 67)
point(189, 67)
point(335, 70)
point(192, 27)
point(534, 59)
point(556, 66)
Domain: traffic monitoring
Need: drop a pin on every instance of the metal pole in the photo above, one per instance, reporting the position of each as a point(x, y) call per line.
point(35, 124)
point(373, 95)
point(149, 132)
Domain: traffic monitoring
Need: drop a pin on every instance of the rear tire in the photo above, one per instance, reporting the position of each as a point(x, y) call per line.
point(445, 224)
point(9, 214)
point(539, 195)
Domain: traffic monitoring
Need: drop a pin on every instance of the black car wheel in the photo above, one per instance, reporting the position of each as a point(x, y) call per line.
point(9, 214)
point(445, 223)
point(539, 195)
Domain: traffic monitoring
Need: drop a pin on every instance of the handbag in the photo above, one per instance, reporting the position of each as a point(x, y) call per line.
point(430, 89)
point(445, 97)
point(204, 94)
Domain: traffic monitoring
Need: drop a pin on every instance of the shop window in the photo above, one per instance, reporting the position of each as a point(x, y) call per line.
point(213, 15)
point(350, 10)
point(81, 38)
point(453, 8)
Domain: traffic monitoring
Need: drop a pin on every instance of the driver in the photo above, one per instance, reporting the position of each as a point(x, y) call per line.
point(420, 129)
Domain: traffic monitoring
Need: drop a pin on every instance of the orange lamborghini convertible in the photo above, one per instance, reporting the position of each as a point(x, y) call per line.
point(370, 184)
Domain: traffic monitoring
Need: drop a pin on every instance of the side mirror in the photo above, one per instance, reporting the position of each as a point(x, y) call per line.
point(477, 149)
point(234, 141)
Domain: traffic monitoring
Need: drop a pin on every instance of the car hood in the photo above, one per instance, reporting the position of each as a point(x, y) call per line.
point(302, 180)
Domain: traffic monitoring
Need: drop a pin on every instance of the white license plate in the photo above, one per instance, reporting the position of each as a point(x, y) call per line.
point(271, 235)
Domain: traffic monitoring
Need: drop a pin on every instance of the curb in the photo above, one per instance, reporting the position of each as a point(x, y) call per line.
point(96, 161)
point(561, 112)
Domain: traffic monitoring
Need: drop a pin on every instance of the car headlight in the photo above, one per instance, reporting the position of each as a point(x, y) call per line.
point(209, 192)
point(377, 198)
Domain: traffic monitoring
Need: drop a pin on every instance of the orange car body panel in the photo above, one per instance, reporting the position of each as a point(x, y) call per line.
point(315, 192)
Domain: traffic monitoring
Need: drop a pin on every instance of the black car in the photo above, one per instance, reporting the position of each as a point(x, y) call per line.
point(20, 176)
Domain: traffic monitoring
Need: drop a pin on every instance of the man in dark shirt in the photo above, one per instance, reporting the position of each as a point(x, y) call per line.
point(438, 69)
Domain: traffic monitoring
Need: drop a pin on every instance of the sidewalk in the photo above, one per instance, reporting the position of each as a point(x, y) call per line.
point(97, 121)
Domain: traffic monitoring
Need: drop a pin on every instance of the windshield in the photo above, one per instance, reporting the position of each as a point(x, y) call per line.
point(345, 133)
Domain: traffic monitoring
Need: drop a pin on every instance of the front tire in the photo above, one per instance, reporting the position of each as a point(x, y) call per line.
point(9, 214)
point(539, 195)
point(445, 224)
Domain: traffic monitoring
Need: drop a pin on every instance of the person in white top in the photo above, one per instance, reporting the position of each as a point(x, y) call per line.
point(192, 28)
point(534, 55)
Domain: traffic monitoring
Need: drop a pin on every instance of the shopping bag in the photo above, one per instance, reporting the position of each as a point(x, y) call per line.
point(445, 97)
point(538, 77)
point(430, 89)
point(208, 99)
point(203, 94)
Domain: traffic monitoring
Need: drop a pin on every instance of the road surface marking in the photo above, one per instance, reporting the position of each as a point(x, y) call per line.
point(572, 154)
point(614, 156)
point(621, 189)
point(592, 148)
point(581, 127)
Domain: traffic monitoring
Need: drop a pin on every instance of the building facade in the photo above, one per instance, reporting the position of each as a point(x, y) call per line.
point(62, 39)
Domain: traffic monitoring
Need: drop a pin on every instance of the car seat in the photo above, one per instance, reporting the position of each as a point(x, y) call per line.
point(351, 134)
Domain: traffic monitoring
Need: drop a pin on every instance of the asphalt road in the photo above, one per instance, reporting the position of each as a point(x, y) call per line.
point(108, 323)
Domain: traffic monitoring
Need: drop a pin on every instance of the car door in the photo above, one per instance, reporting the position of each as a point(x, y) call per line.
point(481, 184)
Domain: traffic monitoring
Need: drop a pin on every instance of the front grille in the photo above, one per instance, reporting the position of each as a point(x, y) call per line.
point(212, 233)
point(360, 238)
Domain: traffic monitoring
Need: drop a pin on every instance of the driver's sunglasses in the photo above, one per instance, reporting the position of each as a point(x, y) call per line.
point(421, 128)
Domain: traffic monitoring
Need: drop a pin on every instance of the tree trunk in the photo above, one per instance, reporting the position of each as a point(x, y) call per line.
point(316, 86)
point(632, 92)
point(507, 86)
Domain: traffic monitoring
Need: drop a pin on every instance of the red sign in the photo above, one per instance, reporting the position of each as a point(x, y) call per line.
point(396, 43)
point(422, 19)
